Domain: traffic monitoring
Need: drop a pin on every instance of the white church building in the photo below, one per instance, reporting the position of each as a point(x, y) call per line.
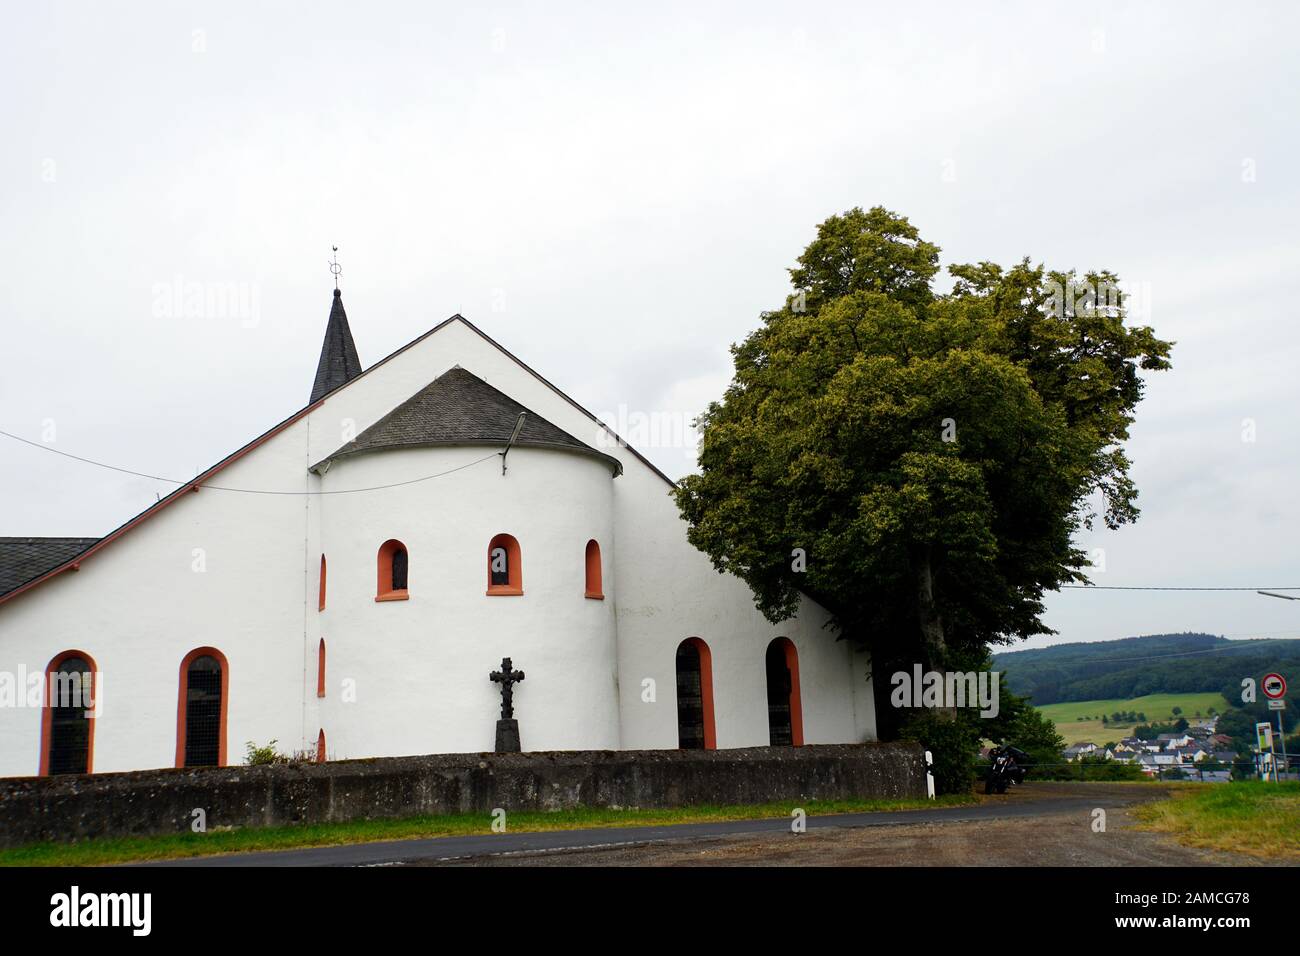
point(345, 583)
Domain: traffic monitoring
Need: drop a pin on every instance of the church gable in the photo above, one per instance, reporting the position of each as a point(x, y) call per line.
point(91, 547)
point(459, 408)
point(367, 399)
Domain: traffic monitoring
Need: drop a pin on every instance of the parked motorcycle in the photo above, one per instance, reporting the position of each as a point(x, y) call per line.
point(1006, 767)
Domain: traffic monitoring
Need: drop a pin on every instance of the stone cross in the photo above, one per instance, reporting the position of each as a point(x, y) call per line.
point(506, 677)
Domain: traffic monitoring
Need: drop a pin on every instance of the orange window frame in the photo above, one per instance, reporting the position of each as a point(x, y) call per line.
point(384, 590)
point(181, 727)
point(514, 566)
point(47, 710)
point(706, 690)
point(796, 701)
point(593, 588)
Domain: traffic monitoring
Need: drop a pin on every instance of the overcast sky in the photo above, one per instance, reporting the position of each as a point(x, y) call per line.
point(615, 197)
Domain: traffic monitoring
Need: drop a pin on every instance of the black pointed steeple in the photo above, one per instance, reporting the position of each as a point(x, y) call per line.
point(339, 363)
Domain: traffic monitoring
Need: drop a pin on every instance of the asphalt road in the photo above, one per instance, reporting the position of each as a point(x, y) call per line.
point(1027, 803)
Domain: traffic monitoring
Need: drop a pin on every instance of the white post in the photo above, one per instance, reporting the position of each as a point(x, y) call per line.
point(1286, 764)
point(929, 775)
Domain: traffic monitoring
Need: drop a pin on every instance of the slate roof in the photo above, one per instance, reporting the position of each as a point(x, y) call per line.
point(22, 559)
point(459, 408)
point(339, 363)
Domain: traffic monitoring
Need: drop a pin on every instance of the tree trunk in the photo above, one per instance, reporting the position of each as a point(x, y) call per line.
point(927, 613)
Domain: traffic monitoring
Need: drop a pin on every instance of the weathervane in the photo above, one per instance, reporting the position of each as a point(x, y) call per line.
point(335, 267)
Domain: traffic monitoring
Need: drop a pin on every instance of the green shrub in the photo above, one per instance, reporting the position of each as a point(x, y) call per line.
point(953, 742)
point(263, 756)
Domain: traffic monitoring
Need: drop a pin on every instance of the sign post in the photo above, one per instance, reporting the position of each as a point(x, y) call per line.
point(1264, 742)
point(1274, 687)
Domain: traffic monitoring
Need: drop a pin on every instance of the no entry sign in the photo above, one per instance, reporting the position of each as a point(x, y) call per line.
point(1274, 686)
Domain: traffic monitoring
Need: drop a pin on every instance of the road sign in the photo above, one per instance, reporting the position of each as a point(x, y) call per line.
point(1264, 735)
point(1274, 686)
point(1277, 705)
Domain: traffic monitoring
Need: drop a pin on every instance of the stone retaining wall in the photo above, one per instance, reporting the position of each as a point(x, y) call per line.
point(69, 808)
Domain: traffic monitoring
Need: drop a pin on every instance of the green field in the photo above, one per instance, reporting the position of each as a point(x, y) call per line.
point(1248, 816)
point(1070, 717)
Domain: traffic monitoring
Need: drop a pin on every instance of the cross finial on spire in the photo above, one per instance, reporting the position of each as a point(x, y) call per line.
point(336, 268)
point(339, 363)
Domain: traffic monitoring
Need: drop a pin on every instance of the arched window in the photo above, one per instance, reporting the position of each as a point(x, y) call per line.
point(320, 746)
point(321, 604)
point(201, 712)
point(505, 575)
point(392, 572)
point(320, 669)
point(784, 710)
point(68, 720)
point(695, 696)
point(593, 571)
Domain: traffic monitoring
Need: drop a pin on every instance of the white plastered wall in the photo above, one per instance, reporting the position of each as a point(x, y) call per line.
point(420, 666)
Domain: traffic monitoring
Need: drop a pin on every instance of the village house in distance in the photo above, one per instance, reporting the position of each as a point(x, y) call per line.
point(444, 509)
point(1199, 751)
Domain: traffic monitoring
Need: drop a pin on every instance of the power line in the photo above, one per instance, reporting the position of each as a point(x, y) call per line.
point(1116, 587)
point(353, 491)
point(255, 491)
point(399, 484)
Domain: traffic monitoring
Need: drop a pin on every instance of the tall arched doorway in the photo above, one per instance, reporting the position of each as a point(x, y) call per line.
point(695, 696)
point(784, 710)
point(68, 721)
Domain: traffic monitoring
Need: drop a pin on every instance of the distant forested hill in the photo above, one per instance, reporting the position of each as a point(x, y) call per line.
point(1136, 666)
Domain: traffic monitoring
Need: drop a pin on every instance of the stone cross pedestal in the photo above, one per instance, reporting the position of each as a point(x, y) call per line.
point(507, 726)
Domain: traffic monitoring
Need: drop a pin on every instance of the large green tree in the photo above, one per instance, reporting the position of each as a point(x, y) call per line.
point(932, 454)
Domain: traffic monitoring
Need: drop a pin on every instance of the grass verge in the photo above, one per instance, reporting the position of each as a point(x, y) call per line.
point(1254, 817)
point(106, 851)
